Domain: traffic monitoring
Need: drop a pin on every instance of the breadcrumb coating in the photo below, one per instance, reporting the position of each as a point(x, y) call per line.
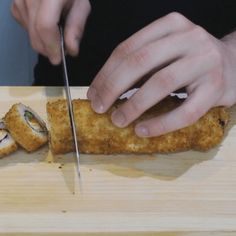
point(21, 130)
point(97, 135)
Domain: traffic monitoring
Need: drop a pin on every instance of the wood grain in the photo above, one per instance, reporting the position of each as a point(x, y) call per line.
point(189, 193)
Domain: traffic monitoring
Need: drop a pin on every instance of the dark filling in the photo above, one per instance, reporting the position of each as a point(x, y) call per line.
point(29, 115)
point(222, 123)
point(33, 122)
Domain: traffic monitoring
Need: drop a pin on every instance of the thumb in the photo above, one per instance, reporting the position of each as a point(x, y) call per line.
point(75, 24)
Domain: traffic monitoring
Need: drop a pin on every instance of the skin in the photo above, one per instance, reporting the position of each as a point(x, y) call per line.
point(171, 53)
point(178, 54)
point(41, 17)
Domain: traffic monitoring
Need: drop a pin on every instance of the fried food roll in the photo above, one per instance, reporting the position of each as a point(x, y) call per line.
point(7, 143)
point(26, 127)
point(97, 135)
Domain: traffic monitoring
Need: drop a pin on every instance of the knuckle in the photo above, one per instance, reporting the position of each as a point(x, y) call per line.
point(177, 19)
point(135, 106)
point(123, 49)
point(139, 59)
point(167, 80)
point(200, 33)
point(107, 88)
point(43, 26)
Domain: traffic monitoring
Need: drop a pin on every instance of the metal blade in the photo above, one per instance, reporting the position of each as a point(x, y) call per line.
point(69, 104)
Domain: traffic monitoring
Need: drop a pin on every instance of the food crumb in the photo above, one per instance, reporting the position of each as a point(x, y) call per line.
point(60, 167)
point(63, 211)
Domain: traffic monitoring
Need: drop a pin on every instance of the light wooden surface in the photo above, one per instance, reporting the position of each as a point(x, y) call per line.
point(181, 194)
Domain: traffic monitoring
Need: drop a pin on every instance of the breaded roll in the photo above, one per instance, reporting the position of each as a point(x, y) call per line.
point(26, 127)
point(7, 143)
point(97, 135)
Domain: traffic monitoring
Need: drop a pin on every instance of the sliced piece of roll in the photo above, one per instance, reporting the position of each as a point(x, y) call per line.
point(7, 143)
point(96, 133)
point(26, 127)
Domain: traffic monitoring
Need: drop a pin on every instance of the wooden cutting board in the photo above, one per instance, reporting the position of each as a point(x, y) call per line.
point(188, 193)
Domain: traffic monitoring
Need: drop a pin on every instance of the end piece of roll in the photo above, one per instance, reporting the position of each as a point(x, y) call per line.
point(97, 135)
point(26, 127)
point(7, 143)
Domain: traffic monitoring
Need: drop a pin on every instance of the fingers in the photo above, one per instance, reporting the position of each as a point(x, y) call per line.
point(180, 54)
point(160, 85)
point(19, 11)
point(41, 18)
point(75, 24)
point(135, 66)
point(160, 28)
point(188, 113)
point(36, 42)
point(136, 57)
point(25, 12)
point(46, 24)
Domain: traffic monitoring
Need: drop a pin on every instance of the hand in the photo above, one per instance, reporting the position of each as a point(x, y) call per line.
point(41, 17)
point(174, 53)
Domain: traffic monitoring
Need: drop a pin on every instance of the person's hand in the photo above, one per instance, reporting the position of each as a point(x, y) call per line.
point(174, 53)
point(41, 17)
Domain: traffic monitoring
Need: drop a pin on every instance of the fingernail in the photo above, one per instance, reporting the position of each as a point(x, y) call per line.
point(53, 48)
point(91, 93)
point(73, 47)
point(97, 105)
point(76, 45)
point(55, 55)
point(118, 118)
point(142, 131)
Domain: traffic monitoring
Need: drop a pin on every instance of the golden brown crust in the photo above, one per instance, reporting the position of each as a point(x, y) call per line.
point(21, 132)
point(96, 133)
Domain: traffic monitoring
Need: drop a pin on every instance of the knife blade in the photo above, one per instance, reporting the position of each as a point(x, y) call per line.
point(69, 103)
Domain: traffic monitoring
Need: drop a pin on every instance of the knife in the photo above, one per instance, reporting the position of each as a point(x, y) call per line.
point(69, 103)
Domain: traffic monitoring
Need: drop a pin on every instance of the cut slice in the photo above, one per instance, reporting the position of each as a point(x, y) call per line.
point(26, 127)
point(7, 143)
